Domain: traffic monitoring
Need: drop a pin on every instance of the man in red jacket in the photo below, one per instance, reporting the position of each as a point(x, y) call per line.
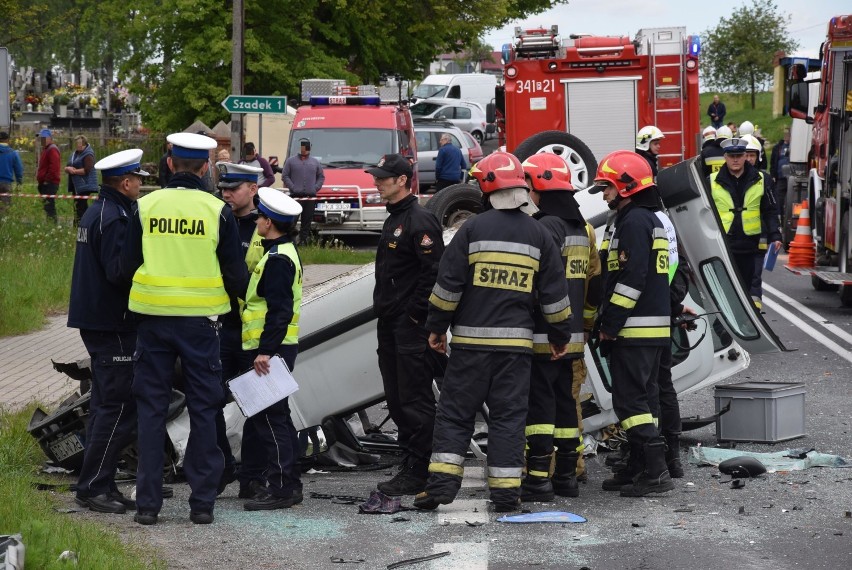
point(48, 172)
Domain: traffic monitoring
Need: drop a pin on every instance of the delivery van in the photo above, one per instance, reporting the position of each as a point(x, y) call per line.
point(475, 87)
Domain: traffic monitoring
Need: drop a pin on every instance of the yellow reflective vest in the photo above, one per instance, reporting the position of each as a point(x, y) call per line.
point(254, 313)
point(180, 274)
point(749, 212)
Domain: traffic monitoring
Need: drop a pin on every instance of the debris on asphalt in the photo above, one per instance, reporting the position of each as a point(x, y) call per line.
point(742, 466)
point(400, 519)
point(737, 484)
point(380, 504)
point(687, 509)
point(411, 561)
point(637, 525)
point(474, 523)
point(338, 560)
point(774, 462)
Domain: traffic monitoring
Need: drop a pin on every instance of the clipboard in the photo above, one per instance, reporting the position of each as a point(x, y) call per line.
point(254, 393)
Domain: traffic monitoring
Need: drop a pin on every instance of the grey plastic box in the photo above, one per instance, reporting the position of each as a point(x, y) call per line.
point(763, 412)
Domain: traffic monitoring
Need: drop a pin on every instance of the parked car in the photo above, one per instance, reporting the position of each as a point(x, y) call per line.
point(428, 133)
point(465, 115)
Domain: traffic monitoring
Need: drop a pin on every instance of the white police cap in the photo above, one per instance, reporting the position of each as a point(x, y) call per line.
point(232, 175)
point(276, 205)
point(191, 145)
point(734, 145)
point(120, 163)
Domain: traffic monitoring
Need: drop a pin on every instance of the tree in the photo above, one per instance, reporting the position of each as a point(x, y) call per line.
point(737, 54)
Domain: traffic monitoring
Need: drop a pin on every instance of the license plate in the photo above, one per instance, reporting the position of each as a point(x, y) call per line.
point(334, 206)
point(66, 447)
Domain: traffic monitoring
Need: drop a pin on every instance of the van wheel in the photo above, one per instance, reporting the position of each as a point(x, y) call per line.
point(478, 136)
point(455, 204)
point(573, 151)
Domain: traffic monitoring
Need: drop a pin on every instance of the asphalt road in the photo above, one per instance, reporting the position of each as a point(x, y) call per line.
point(797, 519)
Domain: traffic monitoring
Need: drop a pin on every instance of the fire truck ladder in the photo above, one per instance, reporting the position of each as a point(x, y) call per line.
point(669, 91)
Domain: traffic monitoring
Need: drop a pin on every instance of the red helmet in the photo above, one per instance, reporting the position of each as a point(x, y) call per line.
point(497, 171)
point(628, 171)
point(548, 172)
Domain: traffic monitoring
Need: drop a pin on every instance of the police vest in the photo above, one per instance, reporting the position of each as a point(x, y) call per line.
point(180, 274)
point(254, 252)
point(254, 314)
point(749, 212)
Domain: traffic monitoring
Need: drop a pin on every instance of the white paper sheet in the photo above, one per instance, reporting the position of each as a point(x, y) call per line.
point(254, 393)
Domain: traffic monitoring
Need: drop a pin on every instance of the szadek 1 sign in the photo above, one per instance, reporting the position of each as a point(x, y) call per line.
point(260, 104)
point(5, 116)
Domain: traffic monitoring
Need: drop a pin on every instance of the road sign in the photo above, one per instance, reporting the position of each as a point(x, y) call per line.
point(255, 104)
point(5, 119)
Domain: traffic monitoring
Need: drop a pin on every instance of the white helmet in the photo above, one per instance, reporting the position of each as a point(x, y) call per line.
point(709, 133)
point(747, 128)
point(753, 145)
point(646, 135)
point(723, 132)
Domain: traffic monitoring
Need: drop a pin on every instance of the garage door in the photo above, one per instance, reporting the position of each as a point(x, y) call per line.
point(602, 113)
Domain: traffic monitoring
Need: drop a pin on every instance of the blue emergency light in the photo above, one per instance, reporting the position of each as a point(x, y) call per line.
point(694, 45)
point(346, 100)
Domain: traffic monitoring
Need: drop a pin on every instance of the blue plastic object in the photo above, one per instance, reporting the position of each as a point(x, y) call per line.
point(545, 517)
point(769, 260)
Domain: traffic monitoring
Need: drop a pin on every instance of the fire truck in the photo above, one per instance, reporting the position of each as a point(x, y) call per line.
point(829, 172)
point(350, 128)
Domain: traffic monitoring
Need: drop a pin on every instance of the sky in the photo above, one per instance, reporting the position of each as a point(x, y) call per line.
point(625, 17)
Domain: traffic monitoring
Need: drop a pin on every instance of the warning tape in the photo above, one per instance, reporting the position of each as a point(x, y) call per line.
point(57, 196)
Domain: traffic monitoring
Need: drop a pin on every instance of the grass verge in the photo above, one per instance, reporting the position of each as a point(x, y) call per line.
point(32, 513)
point(37, 257)
point(739, 109)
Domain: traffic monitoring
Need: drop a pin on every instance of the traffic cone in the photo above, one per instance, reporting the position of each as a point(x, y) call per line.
point(802, 249)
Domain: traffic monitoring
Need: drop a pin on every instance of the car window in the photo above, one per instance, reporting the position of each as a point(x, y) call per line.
point(445, 113)
point(424, 141)
point(725, 297)
point(471, 142)
point(333, 145)
point(455, 92)
point(455, 141)
point(424, 109)
point(462, 112)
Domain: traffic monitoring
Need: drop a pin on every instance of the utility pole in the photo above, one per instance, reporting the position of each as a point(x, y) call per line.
point(237, 78)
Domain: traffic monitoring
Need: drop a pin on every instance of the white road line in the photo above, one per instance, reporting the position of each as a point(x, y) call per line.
point(463, 555)
point(813, 315)
point(815, 334)
point(464, 510)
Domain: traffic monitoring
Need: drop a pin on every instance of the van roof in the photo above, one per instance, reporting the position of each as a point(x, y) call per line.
point(346, 117)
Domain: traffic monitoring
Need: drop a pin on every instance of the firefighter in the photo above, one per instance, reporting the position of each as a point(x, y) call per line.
point(552, 417)
point(746, 208)
point(498, 265)
point(754, 150)
point(98, 307)
point(747, 128)
point(271, 327)
point(712, 155)
point(407, 259)
point(648, 141)
point(183, 254)
point(634, 316)
point(709, 136)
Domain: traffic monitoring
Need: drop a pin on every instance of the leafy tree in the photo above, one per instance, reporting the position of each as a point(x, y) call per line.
point(737, 54)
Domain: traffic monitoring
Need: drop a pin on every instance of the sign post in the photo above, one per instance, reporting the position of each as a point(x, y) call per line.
point(5, 112)
point(260, 104)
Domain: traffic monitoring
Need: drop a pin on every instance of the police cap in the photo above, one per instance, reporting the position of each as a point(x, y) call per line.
point(120, 163)
point(232, 175)
point(734, 145)
point(276, 205)
point(190, 145)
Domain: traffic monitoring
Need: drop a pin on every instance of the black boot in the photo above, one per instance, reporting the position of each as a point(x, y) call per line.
point(655, 477)
point(625, 476)
point(410, 480)
point(673, 456)
point(565, 476)
point(618, 462)
point(536, 486)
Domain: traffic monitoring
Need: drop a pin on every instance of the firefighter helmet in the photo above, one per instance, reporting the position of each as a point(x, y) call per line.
point(723, 133)
point(547, 172)
point(646, 135)
point(747, 128)
point(752, 144)
point(627, 171)
point(709, 133)
point(497, 171)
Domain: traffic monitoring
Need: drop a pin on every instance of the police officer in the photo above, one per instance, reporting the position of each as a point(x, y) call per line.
point(98, 307)
point(183, 251)
point(712, 155)
point(754, 152)
point(552, 416)
point(238, 186)
point(498, 265)
point(634, 316)
point(406, 268)
point(648, 142)
point(746, 205)
point(271, 327)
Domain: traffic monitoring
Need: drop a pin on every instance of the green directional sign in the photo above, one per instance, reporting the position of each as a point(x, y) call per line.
point(268, 104)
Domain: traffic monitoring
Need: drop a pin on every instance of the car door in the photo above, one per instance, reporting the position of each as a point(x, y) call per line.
point(427, 152)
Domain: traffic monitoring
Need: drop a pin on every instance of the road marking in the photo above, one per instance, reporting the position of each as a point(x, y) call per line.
point(473, 477)
point(463, 555)
point(464, 510)
point(813, 315)
point(815, 334)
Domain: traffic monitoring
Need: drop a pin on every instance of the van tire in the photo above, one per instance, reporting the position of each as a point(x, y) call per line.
point(478, 136)
point(580, 158)
point(455, 204)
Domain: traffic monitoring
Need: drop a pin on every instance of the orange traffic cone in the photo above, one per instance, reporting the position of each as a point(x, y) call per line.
point(802, 249)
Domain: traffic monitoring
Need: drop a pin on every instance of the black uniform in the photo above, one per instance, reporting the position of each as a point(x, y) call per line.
point(98, 307)
point(406, 268)
point(486, 290)
point(651, 158)
point(712, 156)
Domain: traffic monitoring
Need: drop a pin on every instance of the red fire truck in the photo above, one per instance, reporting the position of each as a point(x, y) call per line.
point(600, 90)
point(829, 172)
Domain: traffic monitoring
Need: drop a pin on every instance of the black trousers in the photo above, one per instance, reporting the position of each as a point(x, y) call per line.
point(634, 369)
point(112, 409)
point(665, 406)
point(473, 378)
point(307, 218)
point(49, 203)
point(441, 184)
point(552, 415)
point(745, 266)
point(407, 373)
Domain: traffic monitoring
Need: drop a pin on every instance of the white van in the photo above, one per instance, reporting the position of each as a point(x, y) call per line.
point(475, 87)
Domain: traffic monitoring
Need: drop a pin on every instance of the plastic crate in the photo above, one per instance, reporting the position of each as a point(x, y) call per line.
point(764, 412)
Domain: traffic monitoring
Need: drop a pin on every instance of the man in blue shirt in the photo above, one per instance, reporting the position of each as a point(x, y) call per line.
point(11, 168)
point(450, 165)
